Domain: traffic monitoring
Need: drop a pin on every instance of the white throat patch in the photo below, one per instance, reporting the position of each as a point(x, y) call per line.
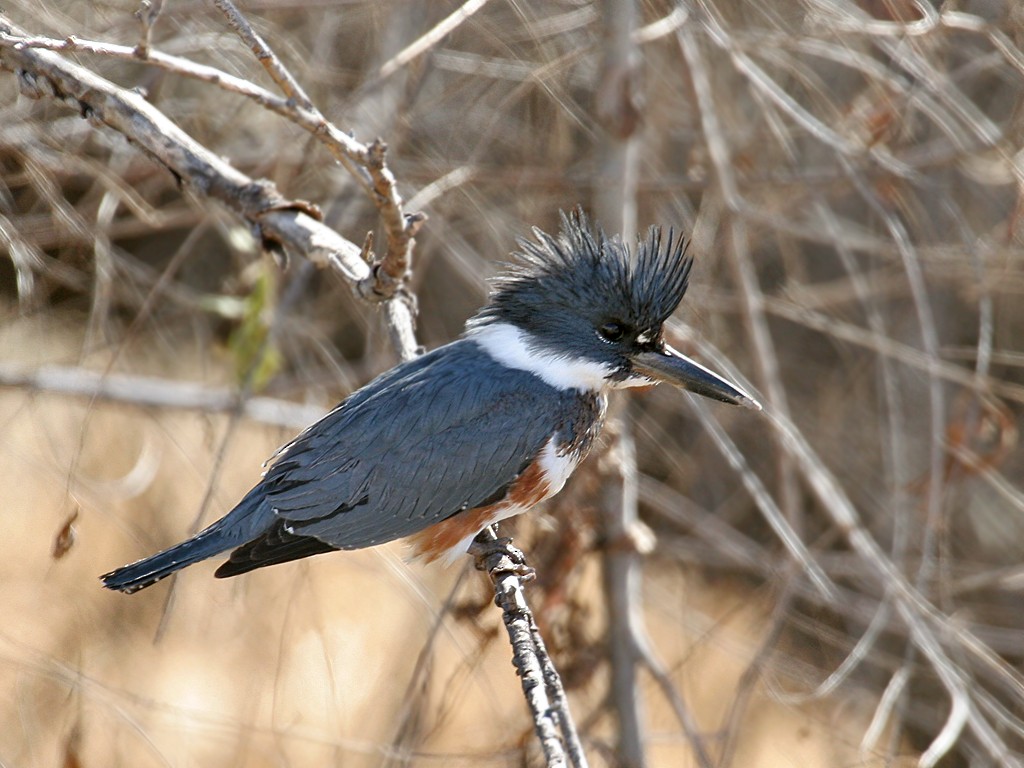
point(511, 347)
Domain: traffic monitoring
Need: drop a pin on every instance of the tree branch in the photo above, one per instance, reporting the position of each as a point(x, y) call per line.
point(52, 76)
point(277, 71)
point(618, 112)
point(147, 15)
point(390, 272)
point(149, 391)
point(552, 721)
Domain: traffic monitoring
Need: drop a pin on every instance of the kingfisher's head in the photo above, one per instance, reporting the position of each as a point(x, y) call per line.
point(582, 312)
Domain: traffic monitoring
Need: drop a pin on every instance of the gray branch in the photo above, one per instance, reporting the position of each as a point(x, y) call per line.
point(552, 721)
point(152, 392)
point(278, 222)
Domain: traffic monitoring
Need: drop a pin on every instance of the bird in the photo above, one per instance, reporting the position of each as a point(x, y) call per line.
point(485, 427)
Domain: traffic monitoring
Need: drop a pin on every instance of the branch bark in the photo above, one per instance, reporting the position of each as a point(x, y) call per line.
point(542, 686)
point(278, 73)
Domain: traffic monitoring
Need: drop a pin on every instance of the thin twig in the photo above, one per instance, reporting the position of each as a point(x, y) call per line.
point(280, 105)
point(408, 715)
point(278, 222)
point(886, 346)
point(657, 670)
point(148, 13)
point(264, 54)
point(747, 684)
point(752, 298)
point(929, 628)
point(764, 500)
point(433, 36)
point(388, 275)
point(559, 701)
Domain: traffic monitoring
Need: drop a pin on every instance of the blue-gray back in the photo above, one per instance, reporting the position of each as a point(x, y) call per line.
point(447, 431)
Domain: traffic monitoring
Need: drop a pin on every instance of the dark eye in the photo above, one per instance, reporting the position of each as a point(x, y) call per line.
point(612, 331)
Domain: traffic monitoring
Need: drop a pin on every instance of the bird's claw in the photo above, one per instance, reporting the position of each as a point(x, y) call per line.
point(499, 558)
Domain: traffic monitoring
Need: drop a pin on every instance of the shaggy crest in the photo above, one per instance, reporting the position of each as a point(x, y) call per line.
point(592, 273)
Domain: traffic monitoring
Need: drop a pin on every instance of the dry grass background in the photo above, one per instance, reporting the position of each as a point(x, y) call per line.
point(852, 171)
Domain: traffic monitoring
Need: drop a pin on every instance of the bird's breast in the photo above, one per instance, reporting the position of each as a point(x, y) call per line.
point(555, 463)
point(542, 478)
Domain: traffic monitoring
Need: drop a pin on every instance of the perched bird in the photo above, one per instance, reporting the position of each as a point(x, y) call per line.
point(476, 431)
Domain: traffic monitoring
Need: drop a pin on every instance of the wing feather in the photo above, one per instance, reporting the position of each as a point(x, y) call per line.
point(449, 433)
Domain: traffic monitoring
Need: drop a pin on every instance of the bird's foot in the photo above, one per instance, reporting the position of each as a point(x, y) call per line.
point(498, 557)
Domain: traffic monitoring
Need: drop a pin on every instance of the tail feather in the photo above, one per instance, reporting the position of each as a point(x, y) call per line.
point(144, 573)
point(273, 546)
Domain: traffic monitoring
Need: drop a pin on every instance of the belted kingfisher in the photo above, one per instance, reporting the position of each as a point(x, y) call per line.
point(483, 428)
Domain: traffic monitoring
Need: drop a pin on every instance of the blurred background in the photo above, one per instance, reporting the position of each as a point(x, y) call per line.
point(837, 582)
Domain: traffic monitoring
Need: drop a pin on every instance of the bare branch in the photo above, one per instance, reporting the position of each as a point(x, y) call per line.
point(366, 163)
point(388, 275)
point(506, 567)
point(629, 645)
point(928, 627)
point(645, 654)
point(559, 701)
point(147, 15)
point(766, 503)
point(618, 111)
point(195, 71)
point(623, 590)
point(152, 392)
point(277, 221)
point(424, 43)
point(275, 68)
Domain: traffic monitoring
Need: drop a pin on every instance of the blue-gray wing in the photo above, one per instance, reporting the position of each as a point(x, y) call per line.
point(448, 431)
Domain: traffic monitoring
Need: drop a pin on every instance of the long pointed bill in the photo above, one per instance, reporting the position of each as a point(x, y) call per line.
point(675, 368)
